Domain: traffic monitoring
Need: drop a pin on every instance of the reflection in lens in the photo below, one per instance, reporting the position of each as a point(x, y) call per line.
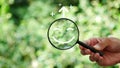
point(63, 33)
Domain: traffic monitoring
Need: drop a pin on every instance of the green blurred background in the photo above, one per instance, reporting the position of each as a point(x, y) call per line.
point(24, 25)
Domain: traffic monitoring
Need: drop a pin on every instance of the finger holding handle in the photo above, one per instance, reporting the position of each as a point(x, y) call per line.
point(90, 47)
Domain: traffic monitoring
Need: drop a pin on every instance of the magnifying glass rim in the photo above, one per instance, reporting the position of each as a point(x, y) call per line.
point(53, 23)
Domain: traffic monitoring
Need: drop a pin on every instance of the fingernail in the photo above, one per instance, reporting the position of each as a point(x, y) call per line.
point(97, 47)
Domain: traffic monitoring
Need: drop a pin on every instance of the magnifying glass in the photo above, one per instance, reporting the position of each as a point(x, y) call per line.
point(63, 34)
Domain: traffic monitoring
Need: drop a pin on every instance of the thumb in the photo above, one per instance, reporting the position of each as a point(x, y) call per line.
point(102, 44)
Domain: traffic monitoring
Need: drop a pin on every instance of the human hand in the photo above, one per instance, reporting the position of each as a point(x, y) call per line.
point(109, 46)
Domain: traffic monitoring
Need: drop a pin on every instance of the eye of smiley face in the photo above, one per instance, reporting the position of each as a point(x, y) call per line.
point(64, 35)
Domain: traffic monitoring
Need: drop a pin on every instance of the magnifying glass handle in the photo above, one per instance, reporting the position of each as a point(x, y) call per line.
point(90, 47)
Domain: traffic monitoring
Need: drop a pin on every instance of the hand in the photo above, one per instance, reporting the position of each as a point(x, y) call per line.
point(109, 46)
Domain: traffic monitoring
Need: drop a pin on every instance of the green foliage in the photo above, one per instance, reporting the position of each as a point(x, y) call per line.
point(24, 25)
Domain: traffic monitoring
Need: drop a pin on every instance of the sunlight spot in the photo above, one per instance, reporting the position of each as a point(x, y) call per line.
point(34, 64)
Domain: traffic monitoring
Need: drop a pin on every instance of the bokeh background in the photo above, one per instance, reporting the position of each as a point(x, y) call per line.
point(24, 25)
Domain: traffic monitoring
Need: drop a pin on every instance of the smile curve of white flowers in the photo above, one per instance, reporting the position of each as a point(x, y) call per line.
point(61, 42)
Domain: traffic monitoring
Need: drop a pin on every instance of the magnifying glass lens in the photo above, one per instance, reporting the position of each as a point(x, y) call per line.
point(63, 33)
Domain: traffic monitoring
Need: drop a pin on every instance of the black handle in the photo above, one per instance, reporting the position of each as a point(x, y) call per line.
point(90, 47)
